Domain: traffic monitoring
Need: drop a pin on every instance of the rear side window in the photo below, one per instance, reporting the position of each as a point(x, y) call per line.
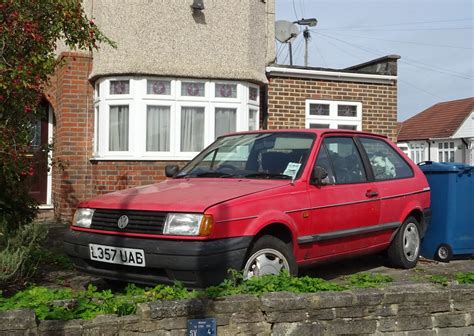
point(386, 163)
point(345, 159)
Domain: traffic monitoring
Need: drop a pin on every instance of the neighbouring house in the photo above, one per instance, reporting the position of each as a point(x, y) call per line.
point(361, 97)
point(179, 78)
point(443, 132)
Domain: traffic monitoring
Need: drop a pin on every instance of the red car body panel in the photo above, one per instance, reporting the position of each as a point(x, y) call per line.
point(180, 195)
point(244, 207)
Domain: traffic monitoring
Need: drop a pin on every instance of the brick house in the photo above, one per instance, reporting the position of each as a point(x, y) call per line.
point(119, 116)
point(443, 132)
point(361, 97)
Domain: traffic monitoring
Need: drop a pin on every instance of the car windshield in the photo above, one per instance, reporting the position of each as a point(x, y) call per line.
point(278, 155)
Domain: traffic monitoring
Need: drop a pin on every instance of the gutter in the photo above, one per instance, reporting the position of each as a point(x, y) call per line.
point(331, 75)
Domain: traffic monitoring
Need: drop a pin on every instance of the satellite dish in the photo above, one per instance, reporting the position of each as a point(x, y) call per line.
point(286, 31)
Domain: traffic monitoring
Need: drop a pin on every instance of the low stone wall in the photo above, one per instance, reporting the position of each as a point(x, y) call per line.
point(395, 310)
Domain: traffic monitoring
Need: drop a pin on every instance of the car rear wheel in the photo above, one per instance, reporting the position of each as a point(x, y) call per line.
point(444, 253)
point(405, 247)
point(269, 255)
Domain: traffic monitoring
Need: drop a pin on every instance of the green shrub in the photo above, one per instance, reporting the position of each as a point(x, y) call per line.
point(19, 255)
point(439, 279)
point(465, 277)
point(269, 283)
point(368, 280)
point(87, 304)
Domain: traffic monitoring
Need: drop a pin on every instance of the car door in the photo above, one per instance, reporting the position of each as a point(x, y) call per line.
point(345, 210)
point(395, 184)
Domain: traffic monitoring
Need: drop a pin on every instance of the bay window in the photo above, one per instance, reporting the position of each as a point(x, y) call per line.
point(155, 118)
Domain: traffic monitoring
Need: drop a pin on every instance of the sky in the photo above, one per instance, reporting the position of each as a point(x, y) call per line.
point(435, 39)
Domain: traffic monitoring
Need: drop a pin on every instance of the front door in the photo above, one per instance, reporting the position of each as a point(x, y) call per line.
point(346, 208)
point(39, 160)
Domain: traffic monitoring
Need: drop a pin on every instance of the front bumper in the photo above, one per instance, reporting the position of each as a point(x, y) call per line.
point(193, 263)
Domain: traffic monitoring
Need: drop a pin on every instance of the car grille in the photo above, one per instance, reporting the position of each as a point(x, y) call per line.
point(150, 222)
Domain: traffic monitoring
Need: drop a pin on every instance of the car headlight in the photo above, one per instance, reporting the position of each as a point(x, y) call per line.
point(181, 224)
point(83, 217)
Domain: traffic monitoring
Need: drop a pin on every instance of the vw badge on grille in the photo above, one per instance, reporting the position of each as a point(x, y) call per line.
point(122, 222)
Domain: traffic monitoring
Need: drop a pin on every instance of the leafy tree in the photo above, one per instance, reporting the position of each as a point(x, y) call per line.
point(29, 31)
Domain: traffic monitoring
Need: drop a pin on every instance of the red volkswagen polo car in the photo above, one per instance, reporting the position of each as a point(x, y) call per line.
point(260, 202)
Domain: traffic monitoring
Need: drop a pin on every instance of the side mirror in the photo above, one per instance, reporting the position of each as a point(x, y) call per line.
point(171, 170)
point(319, 177)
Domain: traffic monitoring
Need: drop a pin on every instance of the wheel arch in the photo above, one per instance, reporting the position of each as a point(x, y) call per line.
point(420, 218)
point(276, 229)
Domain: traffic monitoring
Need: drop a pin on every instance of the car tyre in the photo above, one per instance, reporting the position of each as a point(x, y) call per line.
point(405, 247)
point(444, 253)
point(269, 255)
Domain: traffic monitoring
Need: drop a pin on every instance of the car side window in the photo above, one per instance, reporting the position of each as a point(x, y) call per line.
point(346, 160)
point(386, 163)
point(323, 161)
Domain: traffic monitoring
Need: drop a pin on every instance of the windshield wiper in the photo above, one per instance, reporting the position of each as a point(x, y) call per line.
point(268, 175)
point(214, 174)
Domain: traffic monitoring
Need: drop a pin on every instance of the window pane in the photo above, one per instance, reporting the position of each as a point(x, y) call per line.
point(451, 145)
point(226, 90)
point(192, 129)
point(253, 94)
point(118, 128)
point(192, 89)
point(158, 129)
point(97, 129)
point(451, 156)
point(35, 134)
point(440, 145)
point(318, 125)
point(347, 110)
point(347, 127)
point(319, 109)
point(253, 121)
point(119, 87)
point(225, 119)
point(323, 161)
point(345, 160)
point(446, 159)
point(385, 161)
point(158, 87)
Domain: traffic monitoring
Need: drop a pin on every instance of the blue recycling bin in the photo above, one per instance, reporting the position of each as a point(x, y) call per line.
point(451, 231)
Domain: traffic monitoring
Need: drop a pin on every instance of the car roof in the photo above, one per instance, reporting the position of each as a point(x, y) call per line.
point(319, 132)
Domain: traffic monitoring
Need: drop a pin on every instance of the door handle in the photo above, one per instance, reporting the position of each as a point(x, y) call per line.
point(371, 193)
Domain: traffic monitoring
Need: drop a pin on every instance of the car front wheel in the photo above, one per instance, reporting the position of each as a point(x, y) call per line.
point(269, 255)
point(405, 247)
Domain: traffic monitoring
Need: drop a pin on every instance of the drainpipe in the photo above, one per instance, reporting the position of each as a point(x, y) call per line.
point(264, 107)
point(429, 150)
point(466, 153)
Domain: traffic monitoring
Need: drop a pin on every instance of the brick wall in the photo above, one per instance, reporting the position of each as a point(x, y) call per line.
point(75, 176)
point(287, 98)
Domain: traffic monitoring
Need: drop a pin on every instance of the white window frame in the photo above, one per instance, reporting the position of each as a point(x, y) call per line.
point(448, 150)
point(138, 100)
point(333, 119)
point(417, 151)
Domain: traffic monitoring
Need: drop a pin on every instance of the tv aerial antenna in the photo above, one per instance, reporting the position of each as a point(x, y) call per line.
point(286, 32)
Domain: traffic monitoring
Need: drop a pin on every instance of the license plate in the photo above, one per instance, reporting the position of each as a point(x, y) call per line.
point(117, 255)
